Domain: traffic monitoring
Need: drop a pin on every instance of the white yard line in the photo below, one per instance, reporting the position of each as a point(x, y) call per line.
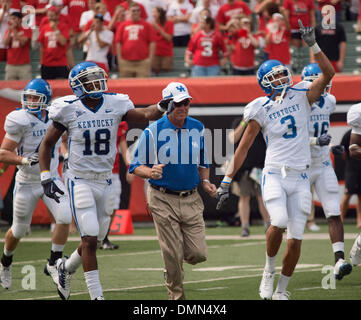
point(162, 284)
point(307, 236)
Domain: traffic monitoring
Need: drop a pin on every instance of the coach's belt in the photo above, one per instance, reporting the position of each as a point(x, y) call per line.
point(176, 193)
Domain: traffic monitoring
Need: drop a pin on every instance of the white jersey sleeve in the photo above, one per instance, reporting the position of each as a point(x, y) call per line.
point(332, 102)
point(15, 125)
point(254, 110)
point(59, 110)
point(354, 118)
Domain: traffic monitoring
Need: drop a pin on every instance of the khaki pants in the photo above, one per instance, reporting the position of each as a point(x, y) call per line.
point(181, 234)
point(135, 69)
point(18, 72)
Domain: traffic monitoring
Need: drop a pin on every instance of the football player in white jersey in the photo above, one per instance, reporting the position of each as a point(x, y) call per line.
point(321, 173)
point(25, 129)
point(354, 120)
point(283, 117)
point(91, 118)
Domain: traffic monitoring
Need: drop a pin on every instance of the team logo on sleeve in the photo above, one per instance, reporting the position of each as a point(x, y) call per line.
point(79, 113)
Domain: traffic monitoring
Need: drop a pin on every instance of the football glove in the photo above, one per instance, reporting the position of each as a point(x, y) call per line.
point(31, 161)
point(307, 34)
point(222, 194)
point(163, 104)
point(338, 150)
point(50, 189)
point(324, 140)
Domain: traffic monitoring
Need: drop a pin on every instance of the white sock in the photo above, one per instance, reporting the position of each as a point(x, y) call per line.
point(270, 263)
point(282, 283)
point(338, 246)
point(57, 247)
point(93, 284)
point(73, 262)
point(8, 253)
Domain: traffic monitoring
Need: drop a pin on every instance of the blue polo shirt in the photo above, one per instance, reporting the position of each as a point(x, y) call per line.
point(181, 149)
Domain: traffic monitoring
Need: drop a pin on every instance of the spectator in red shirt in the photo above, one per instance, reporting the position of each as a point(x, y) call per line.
point(135, 44)
point(54, 40)
point(203, 50)
point(278, 39)
point(127, 5)
point(163, 56)
point(18, 40)
point(75, 10)
point(230, 9)
point(40, 9)
point(299, 9)
point(112, 5)
point(242, 48)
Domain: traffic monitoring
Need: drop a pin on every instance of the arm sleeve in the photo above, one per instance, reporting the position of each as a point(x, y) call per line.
point(354, 118)
point(14, 129)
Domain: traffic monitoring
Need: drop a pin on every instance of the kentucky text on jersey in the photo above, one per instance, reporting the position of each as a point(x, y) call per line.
point(39, 133)
point(285, 111)
point(95, 123)
point(320, 117)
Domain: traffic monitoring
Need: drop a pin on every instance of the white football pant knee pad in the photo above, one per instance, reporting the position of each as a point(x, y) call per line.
point(275, 203)
point(21, 206)
point(19, 229)
point(104, 223)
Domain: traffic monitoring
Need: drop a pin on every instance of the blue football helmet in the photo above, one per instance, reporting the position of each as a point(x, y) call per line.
point(40, 89)
point(266, 76)
point(311, 72)
point(87, 79)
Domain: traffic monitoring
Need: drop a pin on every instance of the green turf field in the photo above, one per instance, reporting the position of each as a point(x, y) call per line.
point(233, 270)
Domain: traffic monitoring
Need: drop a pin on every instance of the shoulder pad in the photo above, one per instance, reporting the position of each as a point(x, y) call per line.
point(16, 120)
point(254, 108)
point(354, 116)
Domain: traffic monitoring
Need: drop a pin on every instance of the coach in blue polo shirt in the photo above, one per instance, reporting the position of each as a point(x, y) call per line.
point(171, 153)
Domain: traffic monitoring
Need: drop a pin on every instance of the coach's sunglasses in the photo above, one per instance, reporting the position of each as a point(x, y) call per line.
point(185, 103)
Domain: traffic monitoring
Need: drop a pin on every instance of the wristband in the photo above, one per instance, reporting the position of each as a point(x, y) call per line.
point(24, 161)
point(66, 155)
point(227, 180)
point(243, 124)
point(160, 108)
point(2, 170)
point(315, 48)
point(205, 180)
point(353, 146)
point(45, 175)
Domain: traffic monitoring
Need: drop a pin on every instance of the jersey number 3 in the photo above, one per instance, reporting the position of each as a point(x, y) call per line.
point(101, 142)
point(292, 129)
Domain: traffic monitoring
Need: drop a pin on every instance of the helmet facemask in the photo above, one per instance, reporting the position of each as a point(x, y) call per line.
point(92, 81)
point(270, 81)
point(33, 105)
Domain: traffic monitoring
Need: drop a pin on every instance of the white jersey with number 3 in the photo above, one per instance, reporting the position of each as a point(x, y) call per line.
point(92, 134)
point(285, 127)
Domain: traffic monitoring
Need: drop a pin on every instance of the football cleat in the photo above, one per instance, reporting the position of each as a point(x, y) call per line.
point(355, 253)
point(5, 276)
point(342, 268)
point(266, 286)
point(281, 296)
point(64, 279)
point(107, 245)
point(52, 271)
point(99, 298)
point(245, 232)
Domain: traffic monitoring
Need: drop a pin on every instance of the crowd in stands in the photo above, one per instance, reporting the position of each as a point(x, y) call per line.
point(138, 38)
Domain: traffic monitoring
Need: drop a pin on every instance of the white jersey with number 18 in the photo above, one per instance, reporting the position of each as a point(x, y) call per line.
point(92, 134)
